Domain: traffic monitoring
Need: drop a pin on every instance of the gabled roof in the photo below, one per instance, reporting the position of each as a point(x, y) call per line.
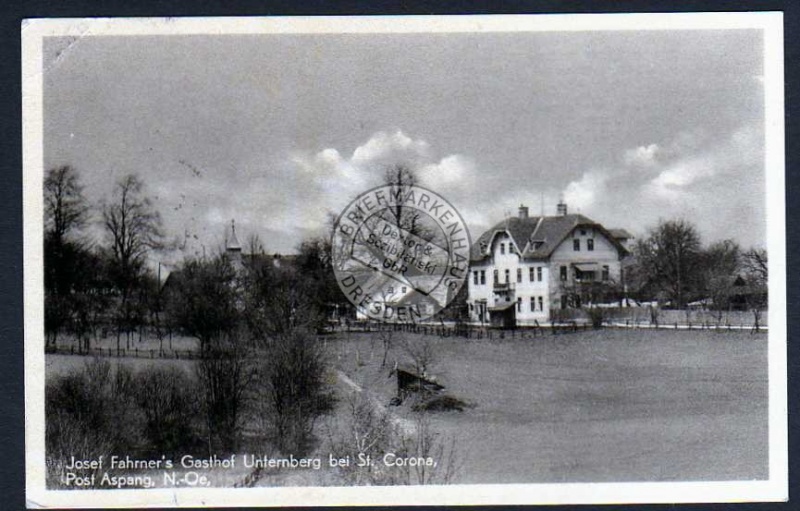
point(620, 234)
point(538, 237)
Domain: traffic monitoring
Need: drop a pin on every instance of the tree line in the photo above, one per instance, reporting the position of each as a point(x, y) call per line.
point(100, 288)
point(90, 285)
point(671, 268)
point(671, 264)
point(260, 374)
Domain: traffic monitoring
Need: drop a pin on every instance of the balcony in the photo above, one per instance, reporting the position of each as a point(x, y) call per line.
point(503, 293)
point(503, 287)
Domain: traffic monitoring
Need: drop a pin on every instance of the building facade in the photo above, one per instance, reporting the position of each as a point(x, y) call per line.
point(525, 268)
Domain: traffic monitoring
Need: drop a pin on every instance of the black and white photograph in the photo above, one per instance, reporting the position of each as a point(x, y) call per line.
point(404, 260)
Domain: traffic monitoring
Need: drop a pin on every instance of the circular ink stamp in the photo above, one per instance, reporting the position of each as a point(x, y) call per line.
point(400, 253)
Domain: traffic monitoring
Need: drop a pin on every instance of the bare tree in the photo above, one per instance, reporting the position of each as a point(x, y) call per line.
point(756, 266)
point(366, 429)
point(369, 430)
point(293, 390)
point(167, 398)
point(386, 336)
point(133, 224)
point(203, 300)
point(280, 300)
point(134, 228)
point(226, 372)
point(722, 261)
point(65, 207)
point(669, 257)
point(421, 351)
point(255, 247)
point(441, 458)
point(65, 255)
point(401, 179)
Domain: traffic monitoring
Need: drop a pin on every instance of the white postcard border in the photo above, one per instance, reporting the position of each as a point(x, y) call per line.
point(774, 489)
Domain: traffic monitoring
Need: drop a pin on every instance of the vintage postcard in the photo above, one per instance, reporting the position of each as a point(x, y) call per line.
point(404, 260)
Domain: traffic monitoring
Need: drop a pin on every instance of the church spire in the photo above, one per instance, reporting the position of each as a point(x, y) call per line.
point(233, 241)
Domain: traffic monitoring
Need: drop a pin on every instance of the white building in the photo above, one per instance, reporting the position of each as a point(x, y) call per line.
point(525, 267)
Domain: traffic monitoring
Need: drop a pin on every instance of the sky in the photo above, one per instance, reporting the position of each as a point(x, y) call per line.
point(278, 131)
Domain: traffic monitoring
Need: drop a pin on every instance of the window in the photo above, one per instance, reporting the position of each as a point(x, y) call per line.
point(496, 278)
point(539, 273)
point(590, 244)
point(541, 304)
point(519, 304)
point(519, 275)
point(508, 272)
point(483, 276)
point(502, 248)
point(404, 289)
point(391, 290)
point(530, 274)
point(576, 245)
point(563, 273)
point(533, 304)
point(475, 278)
point(605, 273)
point(583, 232)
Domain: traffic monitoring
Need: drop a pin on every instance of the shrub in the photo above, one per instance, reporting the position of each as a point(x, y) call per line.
point(369, 429)
point(596, 316)
point(88, 412)
point(167, 398)
point(292, 378)
point(225, 374)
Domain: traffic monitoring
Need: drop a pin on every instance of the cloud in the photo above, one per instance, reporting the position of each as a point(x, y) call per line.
point(584, 192)
point(390, 148)
point(742, 148)
point(674, 180)
point(450, 170)
point(332, 179)
point(715, 179)
point(643, 156)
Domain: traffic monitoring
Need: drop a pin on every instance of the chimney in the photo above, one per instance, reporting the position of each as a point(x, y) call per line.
point(561, 208)
point(523, 211)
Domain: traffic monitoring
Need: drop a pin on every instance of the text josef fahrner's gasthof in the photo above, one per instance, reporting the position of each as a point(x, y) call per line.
point(111, 472)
